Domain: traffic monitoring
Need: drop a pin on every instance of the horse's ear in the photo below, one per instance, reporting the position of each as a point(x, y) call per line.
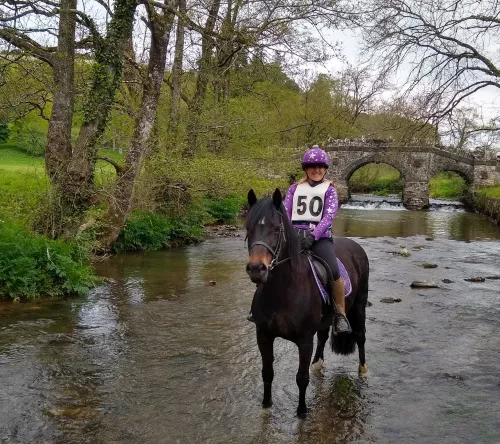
point(252, 198)
point(277, 199)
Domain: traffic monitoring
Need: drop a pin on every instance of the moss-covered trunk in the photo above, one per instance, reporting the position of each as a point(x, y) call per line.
point(121, 202)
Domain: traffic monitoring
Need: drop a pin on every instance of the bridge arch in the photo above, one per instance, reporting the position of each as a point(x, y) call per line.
point(347, 171)
point(463, 172)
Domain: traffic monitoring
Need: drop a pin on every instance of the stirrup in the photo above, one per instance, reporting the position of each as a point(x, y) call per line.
point(338, 328)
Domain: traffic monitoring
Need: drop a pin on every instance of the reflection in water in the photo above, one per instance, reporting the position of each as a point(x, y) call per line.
point(160, 356)
point(377, 223)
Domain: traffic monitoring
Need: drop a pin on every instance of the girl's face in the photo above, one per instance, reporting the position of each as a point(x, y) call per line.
point(316, 172)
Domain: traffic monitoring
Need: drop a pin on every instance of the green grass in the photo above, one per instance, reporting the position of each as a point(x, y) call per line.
point(24, 183)
point(490, 191)
point(13, 160)
point(379, 179)
point(382, 179)
point(447, 185)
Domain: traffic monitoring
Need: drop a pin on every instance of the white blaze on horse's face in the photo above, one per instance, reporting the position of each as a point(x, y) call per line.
point(259, 256)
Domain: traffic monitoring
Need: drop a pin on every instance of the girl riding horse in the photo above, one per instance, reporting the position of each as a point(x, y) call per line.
point(311, 205)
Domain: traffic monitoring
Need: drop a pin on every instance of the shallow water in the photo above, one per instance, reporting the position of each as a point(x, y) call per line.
point(161, 356)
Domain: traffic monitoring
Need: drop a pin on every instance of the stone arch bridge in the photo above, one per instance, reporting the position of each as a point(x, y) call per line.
point(417, 165)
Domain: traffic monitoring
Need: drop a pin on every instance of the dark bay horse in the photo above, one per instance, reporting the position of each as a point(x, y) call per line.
point(287, 303)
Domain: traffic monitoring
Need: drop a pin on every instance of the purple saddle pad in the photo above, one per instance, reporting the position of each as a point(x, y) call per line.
point(343, 274)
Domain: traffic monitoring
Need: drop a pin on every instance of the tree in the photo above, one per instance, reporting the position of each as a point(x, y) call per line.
point(359, 87)
point(448, 49)
point(71, 167)
point(160, 24)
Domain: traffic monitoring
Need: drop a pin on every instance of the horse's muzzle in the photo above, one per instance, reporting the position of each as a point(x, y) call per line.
point(257, 272)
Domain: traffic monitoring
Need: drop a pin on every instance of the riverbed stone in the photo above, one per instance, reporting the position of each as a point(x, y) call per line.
point(390, 300)
point(475, 279)
point(424, 284)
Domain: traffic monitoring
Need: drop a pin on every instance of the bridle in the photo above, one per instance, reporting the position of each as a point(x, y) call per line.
point(275, 252)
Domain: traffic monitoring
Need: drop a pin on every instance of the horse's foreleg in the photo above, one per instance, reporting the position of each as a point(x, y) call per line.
point(305, 353)
point(318, 359)
point(265, 344)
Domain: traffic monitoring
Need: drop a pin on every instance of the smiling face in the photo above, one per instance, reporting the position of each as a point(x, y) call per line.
point(316, 172)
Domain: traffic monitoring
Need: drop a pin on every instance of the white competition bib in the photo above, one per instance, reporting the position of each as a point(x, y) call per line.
point(308, 202)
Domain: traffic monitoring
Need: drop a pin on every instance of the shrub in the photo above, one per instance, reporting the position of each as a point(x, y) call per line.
point(34, 266)
point(224, 209)
point(4, 132)
point(30, 137)
point(147, 231)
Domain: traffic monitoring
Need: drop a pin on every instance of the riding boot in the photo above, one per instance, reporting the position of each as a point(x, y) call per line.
point(340, 323)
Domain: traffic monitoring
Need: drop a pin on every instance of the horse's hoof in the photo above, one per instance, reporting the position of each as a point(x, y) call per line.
point(363, 370)
point(317, 366)
point(302, 412)
point(266, 405)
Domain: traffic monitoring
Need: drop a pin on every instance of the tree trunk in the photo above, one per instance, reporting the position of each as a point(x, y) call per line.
point(173, 123)
point(122, 199)
point(106, 77)
point(58, 150)
point(204, 71)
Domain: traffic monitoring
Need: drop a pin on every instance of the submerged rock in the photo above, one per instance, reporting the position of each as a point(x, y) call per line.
point(427, 265)
point(424, 284)
point(390, 300)
point(402, 252)
point(475, 279)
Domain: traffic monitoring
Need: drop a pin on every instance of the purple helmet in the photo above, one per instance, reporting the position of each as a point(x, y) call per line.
point(315, 156)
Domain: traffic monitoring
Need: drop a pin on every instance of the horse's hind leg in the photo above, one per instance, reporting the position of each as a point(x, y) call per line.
point(305, 353)
point(357, 320)
point(318, 359)
point(265, 344)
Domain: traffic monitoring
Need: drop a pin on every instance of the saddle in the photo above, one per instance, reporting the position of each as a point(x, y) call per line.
point(323, 275)
point(324, 278)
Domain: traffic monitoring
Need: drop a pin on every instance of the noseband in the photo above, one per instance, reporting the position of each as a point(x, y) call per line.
point(275, 252)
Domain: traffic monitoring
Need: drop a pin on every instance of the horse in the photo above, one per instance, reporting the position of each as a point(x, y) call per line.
point(287, 303)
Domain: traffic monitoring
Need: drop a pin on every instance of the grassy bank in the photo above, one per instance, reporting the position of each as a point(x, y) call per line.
point(32, 265)
point(486, 201)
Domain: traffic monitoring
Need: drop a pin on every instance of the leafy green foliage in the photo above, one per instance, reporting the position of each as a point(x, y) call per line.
point(4, 132)
point(30, 136)
point(487, 201)
point(147, 231)
point(224, 209)
point(33, 266)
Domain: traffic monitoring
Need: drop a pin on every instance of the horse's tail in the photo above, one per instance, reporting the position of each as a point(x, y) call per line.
point(344, 344)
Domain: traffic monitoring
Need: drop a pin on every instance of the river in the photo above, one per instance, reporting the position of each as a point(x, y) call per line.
point(161, 355)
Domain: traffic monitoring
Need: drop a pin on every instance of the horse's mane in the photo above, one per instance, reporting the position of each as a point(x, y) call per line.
point(265, 208)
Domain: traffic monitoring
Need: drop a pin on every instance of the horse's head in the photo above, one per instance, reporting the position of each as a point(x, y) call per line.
point(265, 226)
